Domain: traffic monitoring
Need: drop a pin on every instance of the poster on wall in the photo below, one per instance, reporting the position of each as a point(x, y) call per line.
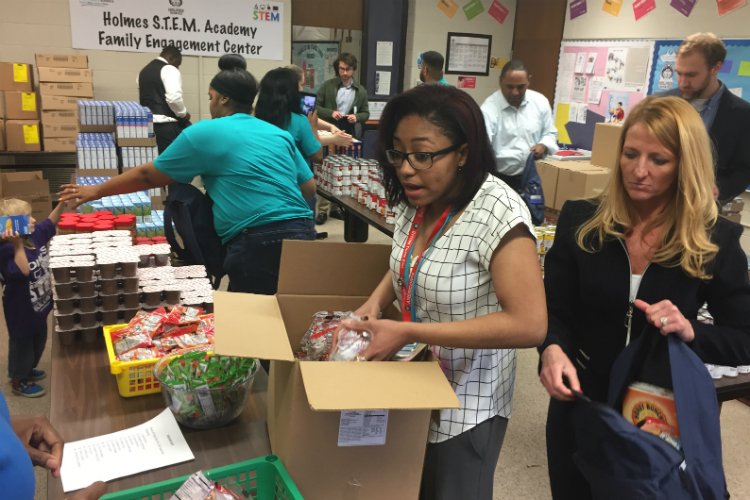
point(604, 93)
point(612, 7)
point(316, 60)
point(734, 73)
point(468, 53)
point(727, 6)
point(253, 30)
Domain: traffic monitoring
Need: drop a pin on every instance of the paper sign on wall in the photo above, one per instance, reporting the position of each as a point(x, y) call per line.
point(473, 9)
point(565, 81)
point(467, 82)
point(577, 8)
point(580, 61)
point(612, 7)
point(579, 89)
point(685, 7)
point(384, 54)
point(498, 11)
point(737, 92)
point(595, 90)
point(498, 62)
point(448, 7)
point(573, 112)
point(591, 63)
point(643, 7)
point(727, 6)
point(744, 69)
point(582, 112)
point(382, 82)
point(726, 67)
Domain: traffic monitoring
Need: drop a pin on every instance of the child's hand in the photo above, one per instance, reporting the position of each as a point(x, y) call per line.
point(14, 238)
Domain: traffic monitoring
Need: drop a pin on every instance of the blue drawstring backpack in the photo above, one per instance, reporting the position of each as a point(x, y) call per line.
point(531, 191)
point(622, 462)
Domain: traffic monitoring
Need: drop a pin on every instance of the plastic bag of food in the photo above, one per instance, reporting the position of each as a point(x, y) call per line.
point(350, 346)
point(318, 340)
point(198, 487)
point(140, 354)
point(125, 343)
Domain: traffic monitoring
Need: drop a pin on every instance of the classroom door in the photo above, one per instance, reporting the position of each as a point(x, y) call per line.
point(536, 41)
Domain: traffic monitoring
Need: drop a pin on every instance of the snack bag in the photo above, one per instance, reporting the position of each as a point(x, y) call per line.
point(139, 354)
point(318, 340)
point(350, 346)
point(179, 315)
point(132, 341)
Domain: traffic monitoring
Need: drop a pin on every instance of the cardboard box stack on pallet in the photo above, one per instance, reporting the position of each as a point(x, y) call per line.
point(19, 121)
point(30, 187)
point(64, 79)
point(575, 180)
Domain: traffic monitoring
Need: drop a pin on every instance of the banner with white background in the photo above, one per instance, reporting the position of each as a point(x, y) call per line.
point(196, 27)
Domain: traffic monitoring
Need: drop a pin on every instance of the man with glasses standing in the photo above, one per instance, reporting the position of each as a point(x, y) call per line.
point(519, 122)
point(341, 102)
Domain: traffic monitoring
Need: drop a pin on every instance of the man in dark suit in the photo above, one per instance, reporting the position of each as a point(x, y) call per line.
point(726, 116)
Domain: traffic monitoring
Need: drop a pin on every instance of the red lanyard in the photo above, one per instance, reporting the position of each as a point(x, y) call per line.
point(406, 279)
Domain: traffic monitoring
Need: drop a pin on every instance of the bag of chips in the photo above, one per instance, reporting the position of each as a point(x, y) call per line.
point(318, 341)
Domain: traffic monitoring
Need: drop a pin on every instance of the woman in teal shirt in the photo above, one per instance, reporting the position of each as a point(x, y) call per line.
point(257, 178)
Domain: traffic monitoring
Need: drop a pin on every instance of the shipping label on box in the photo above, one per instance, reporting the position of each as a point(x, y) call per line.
point(61, 117)
point(60, 129)
point(19, 224)
point(62, 61)
point(16, 77)
point(20, 105)
point(22, 135)
point(67, 89)
point(60, 103)
point(65, 75)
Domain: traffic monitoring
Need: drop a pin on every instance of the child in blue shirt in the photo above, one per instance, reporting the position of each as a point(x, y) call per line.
point(27, 295)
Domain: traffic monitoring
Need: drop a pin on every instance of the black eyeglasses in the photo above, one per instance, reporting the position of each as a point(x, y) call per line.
point(419, 160)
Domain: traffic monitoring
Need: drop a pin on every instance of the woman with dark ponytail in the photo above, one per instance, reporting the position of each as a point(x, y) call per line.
point(252, 170)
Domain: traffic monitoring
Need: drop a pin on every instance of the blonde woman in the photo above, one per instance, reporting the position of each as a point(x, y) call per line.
point(650, 249)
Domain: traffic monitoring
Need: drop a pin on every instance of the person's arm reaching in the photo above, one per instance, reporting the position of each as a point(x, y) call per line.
point(172, 80)
point(20, 261)
point(549, 132)
point(54, 216)
point(521, 323)
point(141, 178)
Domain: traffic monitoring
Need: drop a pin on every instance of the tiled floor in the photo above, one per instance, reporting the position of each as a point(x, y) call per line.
point(522, 470)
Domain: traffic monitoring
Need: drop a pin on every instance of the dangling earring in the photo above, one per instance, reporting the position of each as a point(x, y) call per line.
point(460, 167)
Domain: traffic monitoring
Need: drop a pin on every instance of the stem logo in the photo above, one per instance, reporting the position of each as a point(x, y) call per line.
point(175, 3)
point(265, 12)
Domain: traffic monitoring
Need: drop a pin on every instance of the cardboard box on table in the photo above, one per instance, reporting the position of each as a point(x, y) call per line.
point(307, 400)
point(19, 105)
point(62, 61)
point(23, 135)
point(606, 144)
point(571, 180)
point(16, 77)
point(30, 187)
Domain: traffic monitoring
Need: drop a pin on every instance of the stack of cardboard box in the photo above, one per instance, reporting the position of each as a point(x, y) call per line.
point(575, 180)
point(30, 187)
point(63, 80)
point(19, 121)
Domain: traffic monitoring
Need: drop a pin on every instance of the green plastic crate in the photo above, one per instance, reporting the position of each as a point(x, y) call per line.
point(263, 478)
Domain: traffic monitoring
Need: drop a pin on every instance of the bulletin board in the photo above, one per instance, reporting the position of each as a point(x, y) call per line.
point(735, 73)
point(598, 81)
point(316, 60)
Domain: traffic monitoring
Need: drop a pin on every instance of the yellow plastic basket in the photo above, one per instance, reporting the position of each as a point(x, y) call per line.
point(134, 378)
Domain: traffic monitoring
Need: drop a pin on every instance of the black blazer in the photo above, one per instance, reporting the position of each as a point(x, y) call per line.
point(730, 134)
point(588, 297)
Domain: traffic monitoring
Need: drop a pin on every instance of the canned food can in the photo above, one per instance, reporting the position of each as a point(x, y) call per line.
point(338, 190)
point(381, 206)
point(347, 181)
point(374, 201)
point(347, 191)
point(390, 216)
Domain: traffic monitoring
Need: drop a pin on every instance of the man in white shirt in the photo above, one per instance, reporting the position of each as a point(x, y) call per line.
point(519, 122)
point(160, 89)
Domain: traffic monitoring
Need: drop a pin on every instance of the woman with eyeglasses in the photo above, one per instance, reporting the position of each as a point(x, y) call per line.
point(464, 270)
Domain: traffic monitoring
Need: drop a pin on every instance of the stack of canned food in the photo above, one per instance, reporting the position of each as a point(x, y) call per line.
point(545, 237)
point(356, 177)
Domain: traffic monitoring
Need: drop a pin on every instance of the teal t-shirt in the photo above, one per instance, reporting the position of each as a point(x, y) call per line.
point(303, 136)
point(442, 81)
point(251, 169)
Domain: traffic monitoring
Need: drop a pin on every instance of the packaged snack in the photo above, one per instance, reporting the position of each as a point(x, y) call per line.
point(132, 341)
point(179, 315)
point(318, 341)
point(350, 345)
point(139, 354)
point(187, 340)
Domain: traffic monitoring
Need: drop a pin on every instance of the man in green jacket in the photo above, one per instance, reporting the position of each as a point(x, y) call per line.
point(342, 102)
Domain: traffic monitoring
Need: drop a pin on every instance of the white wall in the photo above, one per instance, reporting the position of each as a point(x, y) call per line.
point(663, 22)
point(428, 27)
point(31, 26)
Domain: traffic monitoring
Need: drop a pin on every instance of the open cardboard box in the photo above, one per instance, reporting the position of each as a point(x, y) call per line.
point(312, 404)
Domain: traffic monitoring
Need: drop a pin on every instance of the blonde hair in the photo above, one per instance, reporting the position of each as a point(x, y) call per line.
point(687, 221)
point(708, 45)
point(298, 70)
point(14, 206)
